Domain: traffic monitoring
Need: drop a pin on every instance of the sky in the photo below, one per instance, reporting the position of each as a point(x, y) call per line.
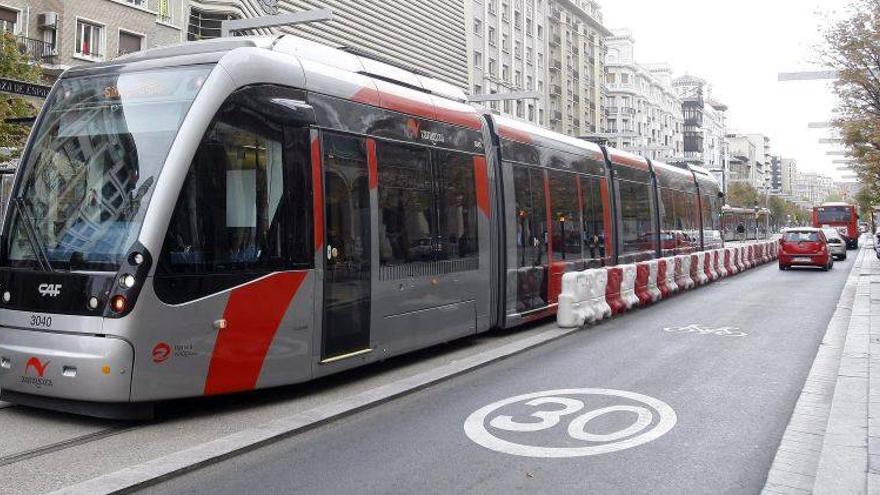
point(739, 47)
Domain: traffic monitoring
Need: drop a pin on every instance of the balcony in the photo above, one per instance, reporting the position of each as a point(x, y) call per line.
point(36, 50)
point(555, 90)
point(556, 40)
point(555, 65)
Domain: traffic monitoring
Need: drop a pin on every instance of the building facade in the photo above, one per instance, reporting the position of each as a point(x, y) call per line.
point(763, 162)
point(552, 47)
point(59, 34)
point(812, 188)
point(742, 160)
point(704, 126)
point(788, 173)
point(428, 36)
point(643, 115)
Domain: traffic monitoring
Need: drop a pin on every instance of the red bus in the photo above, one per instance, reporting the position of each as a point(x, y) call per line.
point(841, 216)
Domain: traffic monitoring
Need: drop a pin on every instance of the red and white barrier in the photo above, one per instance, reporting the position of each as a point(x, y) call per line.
point(613, 288)
point(592, 295)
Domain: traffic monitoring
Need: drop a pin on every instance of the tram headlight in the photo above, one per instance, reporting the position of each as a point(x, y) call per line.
point(127, 281)
point(136, 259)
point(93, 302)
point(118, 304)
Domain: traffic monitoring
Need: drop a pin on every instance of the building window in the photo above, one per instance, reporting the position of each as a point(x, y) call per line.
point(478, 59)
point(505, 42)
point(89, 39)
point(491, 36)
point(8, 20)
point(478, 90)
point(163, 10)
point(478, 27)
point(493, 66)
point(540, 32)
point(137, 3)
point(130, 43)
point(206, 25)
point(505, 72)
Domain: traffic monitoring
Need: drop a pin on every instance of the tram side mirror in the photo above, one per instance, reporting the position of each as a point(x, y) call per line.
point(720, 194)
point(290, 112)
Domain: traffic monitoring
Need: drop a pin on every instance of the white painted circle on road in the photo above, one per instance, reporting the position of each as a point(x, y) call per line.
point(653, 419)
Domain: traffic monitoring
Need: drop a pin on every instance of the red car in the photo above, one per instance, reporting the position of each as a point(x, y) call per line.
point(804, 247)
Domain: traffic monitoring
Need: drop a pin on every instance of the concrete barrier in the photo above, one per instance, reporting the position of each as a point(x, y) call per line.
point(654, 281)
point(628, 286)
point(572, 310)
point(683, 273)
point(612, 290)
point(643, 275)
point(698, 268)
point(592, 295)
point(670, 275)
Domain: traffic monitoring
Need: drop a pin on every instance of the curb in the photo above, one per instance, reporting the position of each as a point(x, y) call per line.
point(796, 466)
point(157, 470)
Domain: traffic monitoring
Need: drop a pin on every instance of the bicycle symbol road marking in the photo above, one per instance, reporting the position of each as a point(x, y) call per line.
point(701, 330)
point(653, 419)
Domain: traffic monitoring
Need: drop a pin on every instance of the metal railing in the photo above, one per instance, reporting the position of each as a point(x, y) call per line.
point(36, 50)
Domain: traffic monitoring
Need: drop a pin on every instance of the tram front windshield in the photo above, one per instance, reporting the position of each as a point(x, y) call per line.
point(95, 158)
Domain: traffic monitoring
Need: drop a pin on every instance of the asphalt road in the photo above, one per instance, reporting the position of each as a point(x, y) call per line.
point(715, 397)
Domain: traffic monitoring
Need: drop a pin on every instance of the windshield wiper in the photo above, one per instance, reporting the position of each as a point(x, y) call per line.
point(30, 229)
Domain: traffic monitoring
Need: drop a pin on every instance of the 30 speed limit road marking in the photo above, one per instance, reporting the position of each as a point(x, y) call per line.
point(567, 408)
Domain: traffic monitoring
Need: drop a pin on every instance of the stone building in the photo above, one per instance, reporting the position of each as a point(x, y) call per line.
point(552, 47)
point(643, 115)
point(59, 34)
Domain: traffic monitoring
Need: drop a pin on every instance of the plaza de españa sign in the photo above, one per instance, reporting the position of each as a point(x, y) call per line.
point(24, 88)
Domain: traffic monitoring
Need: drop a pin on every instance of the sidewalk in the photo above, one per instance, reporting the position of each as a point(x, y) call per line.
point(832, 442)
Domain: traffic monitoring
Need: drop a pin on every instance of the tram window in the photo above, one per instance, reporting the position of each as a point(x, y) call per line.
point(407, 211)
point(638, 232)
point(594, 218)
point(565, 216)
point(245, 206)
point(457, 205)
point(531, 216)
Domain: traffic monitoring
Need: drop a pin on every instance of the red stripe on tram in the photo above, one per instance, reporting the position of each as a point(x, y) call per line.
point(481, 176)
point(318, 194)
point(253, 314)
point(372, 165)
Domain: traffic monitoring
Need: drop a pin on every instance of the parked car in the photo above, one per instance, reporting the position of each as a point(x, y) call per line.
point(804, 246)
point(836, 243)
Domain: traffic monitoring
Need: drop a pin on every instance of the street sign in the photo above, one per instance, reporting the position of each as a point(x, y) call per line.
point(24, 88)
point(509, 426)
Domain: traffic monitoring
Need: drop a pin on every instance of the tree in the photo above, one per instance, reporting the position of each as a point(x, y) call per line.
point(741, 195)
point(852, 48)
point(15, 65)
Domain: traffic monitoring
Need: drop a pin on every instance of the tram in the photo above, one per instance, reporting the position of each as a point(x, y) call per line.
point(228, 215)
point(744, 224)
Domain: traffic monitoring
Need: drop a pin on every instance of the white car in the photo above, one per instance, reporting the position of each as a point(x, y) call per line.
point(836, 243)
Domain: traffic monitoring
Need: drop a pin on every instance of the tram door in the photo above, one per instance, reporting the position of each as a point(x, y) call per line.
point(347, 256)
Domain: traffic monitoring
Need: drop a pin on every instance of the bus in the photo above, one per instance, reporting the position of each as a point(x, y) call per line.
point(228, 215)
point(843, 217)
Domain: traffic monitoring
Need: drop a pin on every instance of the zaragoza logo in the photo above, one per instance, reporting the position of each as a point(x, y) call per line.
point(40, 369)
